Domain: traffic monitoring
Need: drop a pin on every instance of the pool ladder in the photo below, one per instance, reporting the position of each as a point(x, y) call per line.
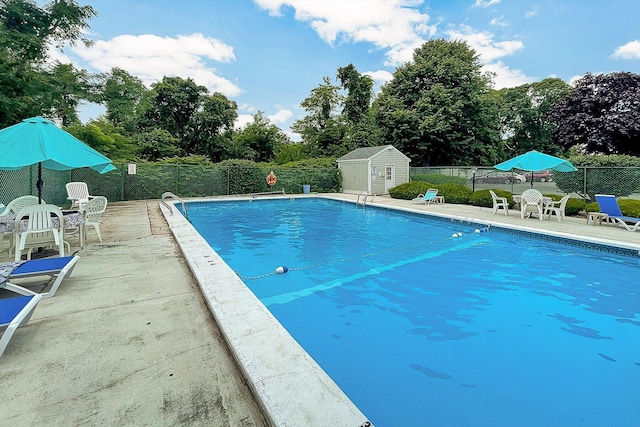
point(168, 194)
point(364, 194)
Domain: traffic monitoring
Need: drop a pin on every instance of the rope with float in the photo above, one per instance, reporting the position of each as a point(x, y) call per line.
point(283, 269)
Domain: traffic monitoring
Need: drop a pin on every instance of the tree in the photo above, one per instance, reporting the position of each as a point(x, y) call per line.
point(26, 32)
point(601, 115)
point(258, 140)
point(175, 102)
point(437, 108)
point(322, 128)
point(105, 138)
point(210, 129)
point(525, 123)
point(156, 144)
point(123, 95)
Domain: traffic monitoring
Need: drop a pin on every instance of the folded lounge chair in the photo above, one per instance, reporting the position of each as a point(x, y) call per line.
point(15, 311)
point(609, 205)
point(57, 268)
point(428, 197)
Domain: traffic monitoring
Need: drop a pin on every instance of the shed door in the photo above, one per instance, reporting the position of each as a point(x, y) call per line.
point(389, 177)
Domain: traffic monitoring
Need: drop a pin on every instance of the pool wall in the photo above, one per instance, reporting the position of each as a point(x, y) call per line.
point(290, 386)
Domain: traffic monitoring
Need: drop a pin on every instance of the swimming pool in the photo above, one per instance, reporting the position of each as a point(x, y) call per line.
point(494, 329)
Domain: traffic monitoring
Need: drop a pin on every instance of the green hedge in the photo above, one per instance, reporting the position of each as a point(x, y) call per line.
point(629, 207)
point(483, 198)
point(410, 190)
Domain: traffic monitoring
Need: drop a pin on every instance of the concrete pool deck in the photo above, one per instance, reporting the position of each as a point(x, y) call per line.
point(129, 339)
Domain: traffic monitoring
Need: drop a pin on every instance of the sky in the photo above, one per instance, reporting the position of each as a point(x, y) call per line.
point(267, 55)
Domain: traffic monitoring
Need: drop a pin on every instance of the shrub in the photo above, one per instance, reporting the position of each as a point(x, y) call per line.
point(454, 193)
point(629, 207)
point(410, 190)
point(483, 198)
point(439, 179)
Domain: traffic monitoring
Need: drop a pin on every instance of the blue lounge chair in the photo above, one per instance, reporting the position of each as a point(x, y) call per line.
point(57, 268)
point(15, 311)
point(426, 198)
point(609, 205)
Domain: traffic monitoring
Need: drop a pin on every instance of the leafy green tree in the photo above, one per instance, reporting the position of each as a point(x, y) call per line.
point(26, 32)
point(601, 115)
point(175, 102)
point(211, 127)
point(524, 114)
point(257, 140)
point(123, 96)
point(322, 128)
point(156, 144)
point(106, 138)
point(359, 93)
point(437, 108)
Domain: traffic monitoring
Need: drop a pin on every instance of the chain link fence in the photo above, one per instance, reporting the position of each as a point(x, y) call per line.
point(586, 182)
point(151, 180)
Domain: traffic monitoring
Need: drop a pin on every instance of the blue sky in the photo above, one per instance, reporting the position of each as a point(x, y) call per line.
point(267, 55)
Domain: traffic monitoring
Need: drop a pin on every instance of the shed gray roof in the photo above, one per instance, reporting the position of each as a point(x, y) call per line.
point(365, 153)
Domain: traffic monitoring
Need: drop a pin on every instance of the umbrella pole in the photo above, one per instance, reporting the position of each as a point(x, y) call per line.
point(531, 179)
point(39, 183)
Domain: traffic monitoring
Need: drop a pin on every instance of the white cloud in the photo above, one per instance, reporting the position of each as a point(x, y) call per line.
point(499, 21)
point(280, 116)
point(486, 3)
point(151, 57)
point(490, 51)
point(506, 77)
point(531, 13)
point(380, 76)
point(630, 50)
point(242, 120)
point(482, 42)
point(393, 25)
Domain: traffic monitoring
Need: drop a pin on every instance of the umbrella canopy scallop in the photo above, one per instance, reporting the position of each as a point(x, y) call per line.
point(39, 141)
point(536, 161)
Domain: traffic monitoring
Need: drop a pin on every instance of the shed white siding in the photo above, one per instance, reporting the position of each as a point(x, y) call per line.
point(354, 176)
point(364, 169)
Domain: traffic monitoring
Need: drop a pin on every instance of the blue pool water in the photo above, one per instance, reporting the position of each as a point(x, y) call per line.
point(423, 329)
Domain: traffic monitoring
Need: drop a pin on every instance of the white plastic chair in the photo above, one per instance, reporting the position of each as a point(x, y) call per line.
point(78, 193)
point(40, 230)
point(531, 201)
point(12, 208)
point(93, 210)
point(499, 203)
point(557, 208)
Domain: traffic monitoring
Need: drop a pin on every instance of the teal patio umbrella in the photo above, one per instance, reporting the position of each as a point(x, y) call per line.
point(534, 161)
point(38, 140)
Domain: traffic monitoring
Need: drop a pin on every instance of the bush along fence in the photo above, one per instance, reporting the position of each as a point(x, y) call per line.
point(151, 180)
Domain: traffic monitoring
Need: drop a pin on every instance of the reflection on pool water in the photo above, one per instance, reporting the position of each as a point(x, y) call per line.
point(419, 327)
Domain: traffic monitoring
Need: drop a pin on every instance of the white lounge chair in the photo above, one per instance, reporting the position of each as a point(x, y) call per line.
point(531, 201)
point(57, 268)
point(499, 203)
point(426, 198)
point(15, 311)
point(556, 208)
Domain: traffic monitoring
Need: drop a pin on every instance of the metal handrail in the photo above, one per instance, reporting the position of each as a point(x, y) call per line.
point(170, 194)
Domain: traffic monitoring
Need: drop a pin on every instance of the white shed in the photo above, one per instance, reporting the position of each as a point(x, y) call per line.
point(373, 169)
